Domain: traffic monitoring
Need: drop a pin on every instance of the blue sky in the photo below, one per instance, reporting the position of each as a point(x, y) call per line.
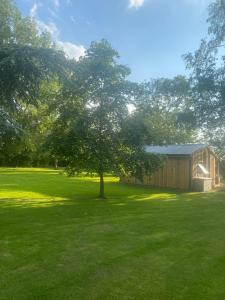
point(150, 35)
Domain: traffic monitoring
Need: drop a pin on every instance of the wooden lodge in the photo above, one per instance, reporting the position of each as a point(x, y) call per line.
point(188, 167)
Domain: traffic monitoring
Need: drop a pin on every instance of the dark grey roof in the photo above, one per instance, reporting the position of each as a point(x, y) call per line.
point(185, 149)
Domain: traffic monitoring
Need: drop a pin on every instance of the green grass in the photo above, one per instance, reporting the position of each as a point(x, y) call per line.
point(59, 242)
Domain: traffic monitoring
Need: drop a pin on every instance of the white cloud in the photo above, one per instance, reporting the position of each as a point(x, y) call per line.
point(34, 9)
point(136, 3)
point(42, 26)
point(49, 27)
point(72, 50)
point(56, 4)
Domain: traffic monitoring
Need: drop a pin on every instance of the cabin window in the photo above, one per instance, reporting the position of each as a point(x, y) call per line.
point(202, 170)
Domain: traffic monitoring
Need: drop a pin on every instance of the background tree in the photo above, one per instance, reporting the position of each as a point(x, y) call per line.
point(163, 113)
point(28, 147)
point(16, 29)
point(27, 59)
point(208, 70)
point(207, 79)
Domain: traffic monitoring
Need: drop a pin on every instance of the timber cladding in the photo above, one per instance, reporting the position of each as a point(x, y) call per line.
point(181, 170)
point(174, 173)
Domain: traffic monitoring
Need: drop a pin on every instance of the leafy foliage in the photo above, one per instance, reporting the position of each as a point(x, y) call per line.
point(163, 112)
point(22, 69)
point(208, 72)
point(15, 29)
point(91, 137)
point(26, 61)
point(208, 79)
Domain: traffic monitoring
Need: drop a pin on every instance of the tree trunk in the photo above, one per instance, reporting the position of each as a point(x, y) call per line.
point(101, 153)
point(56, 164)
point(102, 186)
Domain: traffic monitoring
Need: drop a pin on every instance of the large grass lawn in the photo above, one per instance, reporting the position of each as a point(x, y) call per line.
point(57, 241)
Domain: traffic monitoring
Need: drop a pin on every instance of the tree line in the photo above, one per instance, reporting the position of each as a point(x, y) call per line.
point(76, 114)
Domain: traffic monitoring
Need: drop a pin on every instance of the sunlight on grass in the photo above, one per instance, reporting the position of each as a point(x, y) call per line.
point(20, 194)
point(27, 171)
point(162, 196)
point(44, 187)
point(40, 185)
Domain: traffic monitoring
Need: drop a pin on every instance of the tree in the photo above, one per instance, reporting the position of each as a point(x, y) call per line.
point(22, 71)
point(162, 107)
point(208, 71)
point(207, 80)
point(89, 133)
point(15, 29)
point(27, 147)
point(27, 59)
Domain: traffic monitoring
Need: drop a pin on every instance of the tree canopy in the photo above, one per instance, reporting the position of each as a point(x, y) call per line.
point(27, 59)
point(208, 78)
point(91, 138)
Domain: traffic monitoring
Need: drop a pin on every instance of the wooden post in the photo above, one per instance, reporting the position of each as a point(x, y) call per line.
point(190, 172)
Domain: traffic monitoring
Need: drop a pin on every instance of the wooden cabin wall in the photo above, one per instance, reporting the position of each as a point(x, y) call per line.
point(175, 174)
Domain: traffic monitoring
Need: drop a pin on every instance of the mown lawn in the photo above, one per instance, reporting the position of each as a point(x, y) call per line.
point(57, 241)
